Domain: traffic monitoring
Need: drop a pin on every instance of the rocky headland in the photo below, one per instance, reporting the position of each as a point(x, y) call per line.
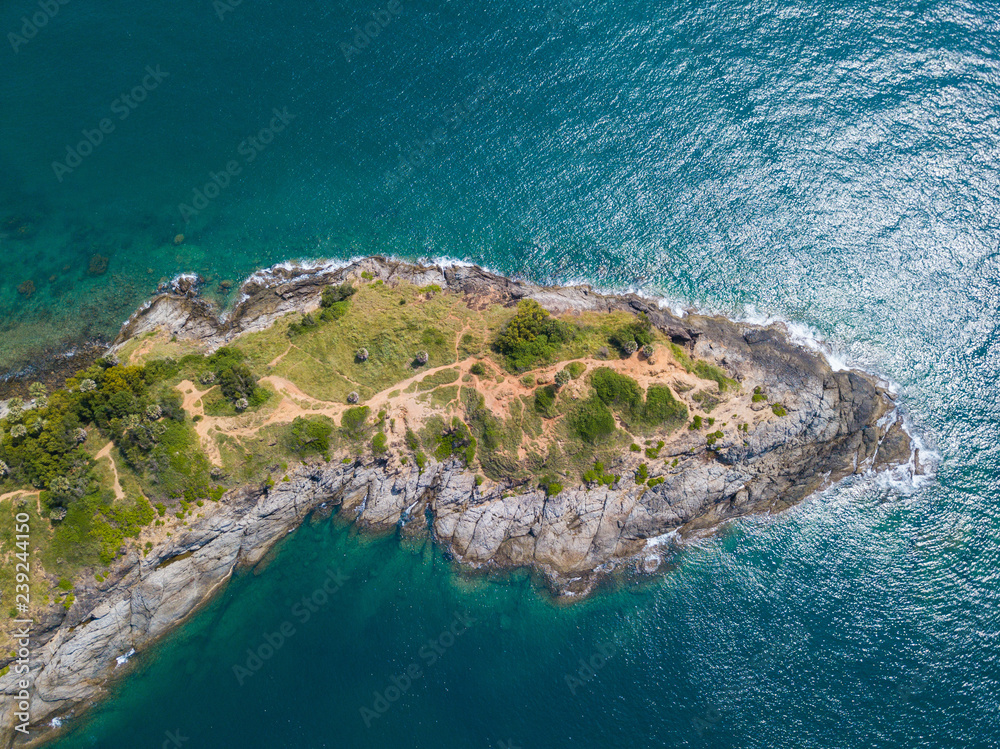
point(832, 424)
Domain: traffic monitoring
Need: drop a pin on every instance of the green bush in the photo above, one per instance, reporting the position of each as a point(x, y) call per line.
point(353, 422)
point(553, 489)
point(307, 323)
point(617, 390)
point(662, 408)
point(380, 444)
point(478, 369)
point(531, 336)
point(592, 420)
point(412, 441)
point(545, 401)
point(707, 371)
point(624, 395)
point(634, 335)
point(576, 369)
point(635, 448)
point(310, 435)
point(778, 409)
point(642, 474)
point(333, 295)
point(696, 423)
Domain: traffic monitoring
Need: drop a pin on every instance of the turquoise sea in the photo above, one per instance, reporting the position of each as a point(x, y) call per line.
point(831, 164)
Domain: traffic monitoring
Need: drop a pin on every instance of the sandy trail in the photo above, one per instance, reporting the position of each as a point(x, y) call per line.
point(105, 452)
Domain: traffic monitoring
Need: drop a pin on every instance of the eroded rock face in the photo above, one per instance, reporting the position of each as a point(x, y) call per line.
point(838, 423)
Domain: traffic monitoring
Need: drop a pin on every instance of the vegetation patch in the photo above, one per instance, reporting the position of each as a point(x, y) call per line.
point(530, 337)
point(310, 436)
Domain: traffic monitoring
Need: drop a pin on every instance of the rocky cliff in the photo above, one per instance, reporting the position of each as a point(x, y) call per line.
point(839, 423)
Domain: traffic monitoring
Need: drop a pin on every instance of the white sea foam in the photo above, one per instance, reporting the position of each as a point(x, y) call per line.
point(121, 660)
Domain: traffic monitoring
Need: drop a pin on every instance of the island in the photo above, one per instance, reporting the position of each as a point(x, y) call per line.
point(578, 434)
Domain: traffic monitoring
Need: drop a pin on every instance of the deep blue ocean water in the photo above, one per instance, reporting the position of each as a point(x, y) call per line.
point(835, 165)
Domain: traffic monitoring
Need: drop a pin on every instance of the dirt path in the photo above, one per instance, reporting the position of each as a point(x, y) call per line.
point(105, 452)
point(294, 403)
point(24, 493)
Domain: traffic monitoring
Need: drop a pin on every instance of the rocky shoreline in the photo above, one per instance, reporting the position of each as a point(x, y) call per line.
point(839, 423)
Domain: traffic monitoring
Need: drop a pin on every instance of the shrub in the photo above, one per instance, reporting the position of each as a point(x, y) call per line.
point(306, 323)
point(562, 378)
point(575, 369)
point(635, 448)
point(412, 441)
point(422, 358)
point(333, 295)
point(310, 435)
point(758, 398)
point(380, 444)
point(478, 369)
point(592, 420)
point(616, 389)
point(153, 413)
point(778, 409)
point(361, 354)
point(707, 371)
point(696, 423)
point(353, 397)
point(421, 460)
point(655, 482)
point(647, 350)
point(353, 422)
point(545, 400)
point(531, 336)
point(635, 334)
point(241, 404)
point(642, 474)
point(553, 489)
point(663, 408)
point(87, 385)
